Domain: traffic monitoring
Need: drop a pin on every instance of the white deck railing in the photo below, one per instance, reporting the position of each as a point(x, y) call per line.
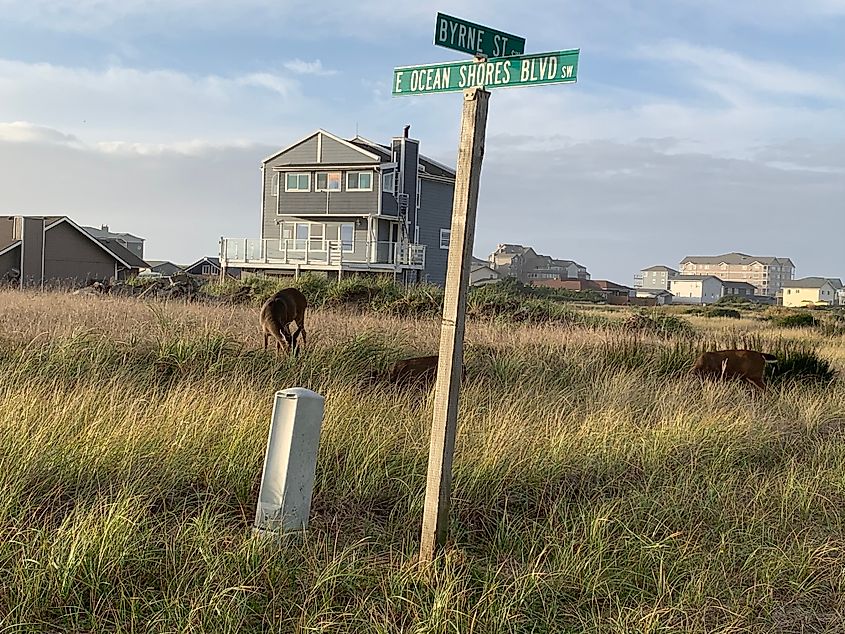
point(235, 252)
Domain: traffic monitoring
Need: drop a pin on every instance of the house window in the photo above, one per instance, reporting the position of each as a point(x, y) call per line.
point(359, 181)
point(327, 182)
point(315, 237)
point(301, 235)
point(387, 182)
point(206, 269)
point(298, 182)
point(419, 192)
point(347, 237)
point(445, 236)
point(274, 185)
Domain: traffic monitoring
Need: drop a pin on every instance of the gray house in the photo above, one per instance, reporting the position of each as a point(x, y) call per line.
point(655, 277)
point(340, 206)
point(130, 242)
point(53, 250)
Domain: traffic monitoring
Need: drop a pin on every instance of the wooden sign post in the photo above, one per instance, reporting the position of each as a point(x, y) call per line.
point(449, 368)
point(498, 63)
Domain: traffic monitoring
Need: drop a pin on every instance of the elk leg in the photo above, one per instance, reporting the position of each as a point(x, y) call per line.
point(266, 337)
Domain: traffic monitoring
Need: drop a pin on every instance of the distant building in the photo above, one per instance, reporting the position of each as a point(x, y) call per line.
point(766, 273)
point(527, 266)
point(695, 289)
point(53, 250)
point(481, 273)
point(130, 242)
point(655, 277)
point(614, 293)
point(810, 291)
point(737, 289)
point(660, 295)
point(163, 267)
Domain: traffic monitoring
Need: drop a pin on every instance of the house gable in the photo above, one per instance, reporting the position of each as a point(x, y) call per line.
point(321, 147)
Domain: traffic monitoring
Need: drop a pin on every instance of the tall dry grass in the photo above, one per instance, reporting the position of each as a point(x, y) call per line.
point(597, 487)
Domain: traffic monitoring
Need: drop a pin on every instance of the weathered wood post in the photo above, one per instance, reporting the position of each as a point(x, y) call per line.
point(449, 368)
point(284, 499)
point(499, 62)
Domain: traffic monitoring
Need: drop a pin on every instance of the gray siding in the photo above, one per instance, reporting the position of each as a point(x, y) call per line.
point(32, 251)
point(71, 257)
point(9, 261)
point(340, 154)
point(7, 231)
point(388, 204)
point(435, 214)
point(305, 152)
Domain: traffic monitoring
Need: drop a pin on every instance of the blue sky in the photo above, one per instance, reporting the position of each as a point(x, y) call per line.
point(694, 128)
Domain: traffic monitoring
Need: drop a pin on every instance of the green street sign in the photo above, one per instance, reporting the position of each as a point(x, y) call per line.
point(508, 72)
point(475, 39)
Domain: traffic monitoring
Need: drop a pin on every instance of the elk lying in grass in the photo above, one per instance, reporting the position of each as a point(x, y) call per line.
point(280, 309)
point(749, 365)
point(414, 370)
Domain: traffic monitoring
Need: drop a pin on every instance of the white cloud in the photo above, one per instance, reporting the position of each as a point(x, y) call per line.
point(301, 67)
point(740, 79)
point(23, 132)
point(150, 105)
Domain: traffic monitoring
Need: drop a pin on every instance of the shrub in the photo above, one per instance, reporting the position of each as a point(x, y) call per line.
point(731, 313)
point(795, 320)
point(656, 323)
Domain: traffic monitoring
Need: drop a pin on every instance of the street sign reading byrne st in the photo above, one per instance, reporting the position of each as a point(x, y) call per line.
point(522, 70)
point(475, 39)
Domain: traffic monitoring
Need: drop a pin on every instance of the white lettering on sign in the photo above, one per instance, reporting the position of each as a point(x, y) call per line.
point(540, 68)
point(443, 31)
point(399, 81)
point(499, 44)
point(484, 74)
point(429, 79)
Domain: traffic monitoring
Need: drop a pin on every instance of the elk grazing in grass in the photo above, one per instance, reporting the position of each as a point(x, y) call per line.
point(748, 365)
point(420, 370)
point(280, 309)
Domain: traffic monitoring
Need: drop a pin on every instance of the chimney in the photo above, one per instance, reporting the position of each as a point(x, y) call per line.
point(104, 227)
point(405, 131)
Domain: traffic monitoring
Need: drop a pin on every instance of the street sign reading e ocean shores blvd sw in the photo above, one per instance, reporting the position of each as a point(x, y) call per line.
point(508, 72)
point(475, 39)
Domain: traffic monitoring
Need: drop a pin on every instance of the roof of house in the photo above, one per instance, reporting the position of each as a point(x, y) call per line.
point(132, 260)
point(105, 233)
point(837, 283)
point(735, 258)
point(607, 285)
point(385, 152)
point(807, 282)
point(735, 284)
point(154, 263)
point(654, 291)
point(208, 259)
point(376, 151)
point(117, 251)
point(660, 267)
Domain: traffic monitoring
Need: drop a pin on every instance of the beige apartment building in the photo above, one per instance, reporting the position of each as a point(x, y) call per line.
point(766, 273)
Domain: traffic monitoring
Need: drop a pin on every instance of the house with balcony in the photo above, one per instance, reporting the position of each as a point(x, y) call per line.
point(657, 276)
point(767, 274)
point(529, 267)
point(337, 207)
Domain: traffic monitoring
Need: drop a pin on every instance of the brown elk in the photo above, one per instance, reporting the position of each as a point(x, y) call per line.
point(415, 369)
point(280, 309)
point(749, 365)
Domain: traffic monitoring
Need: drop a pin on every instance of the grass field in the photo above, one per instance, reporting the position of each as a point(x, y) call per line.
point(597, 487)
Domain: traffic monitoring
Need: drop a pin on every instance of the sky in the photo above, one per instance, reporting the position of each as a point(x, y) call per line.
point(694, 128)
